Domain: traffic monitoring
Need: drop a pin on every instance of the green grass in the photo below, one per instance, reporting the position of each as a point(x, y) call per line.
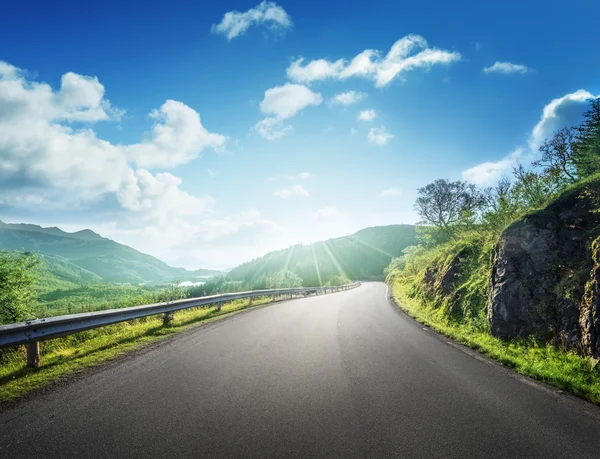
point(564, 370)
point(72, 354)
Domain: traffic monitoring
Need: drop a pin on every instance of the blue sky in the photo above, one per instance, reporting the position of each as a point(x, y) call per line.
point(209, 133)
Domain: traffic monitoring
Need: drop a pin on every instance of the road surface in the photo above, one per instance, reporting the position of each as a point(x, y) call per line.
point(342, 375)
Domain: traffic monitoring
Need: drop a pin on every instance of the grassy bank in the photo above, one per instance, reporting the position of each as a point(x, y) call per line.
point(72, 354)
point(546, 363)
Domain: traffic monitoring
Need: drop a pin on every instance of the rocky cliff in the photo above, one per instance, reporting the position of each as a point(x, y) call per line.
point(545, 275)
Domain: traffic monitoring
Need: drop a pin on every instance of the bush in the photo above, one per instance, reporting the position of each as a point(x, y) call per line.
point(16, 281)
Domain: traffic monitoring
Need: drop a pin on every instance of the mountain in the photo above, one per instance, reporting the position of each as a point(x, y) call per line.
point(362, 255)
point(87, 257)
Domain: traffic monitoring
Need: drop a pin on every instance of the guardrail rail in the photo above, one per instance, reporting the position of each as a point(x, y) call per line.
point(32, 331)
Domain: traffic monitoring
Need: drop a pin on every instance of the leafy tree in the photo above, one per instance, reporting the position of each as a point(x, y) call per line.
point(16, 281)
point(447, 205)
point(284, 279)
point(502, 205)
point(531, 190)
point(559, 155)
point(588, 139)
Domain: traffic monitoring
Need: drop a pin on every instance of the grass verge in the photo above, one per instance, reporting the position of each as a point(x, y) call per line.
point(564, 370)
point(62, 357)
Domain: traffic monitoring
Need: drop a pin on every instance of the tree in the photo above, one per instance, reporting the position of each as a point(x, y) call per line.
point(559, 155)
point(447, 205)
point(284, 279)
point(500, 207)
point(588, 140)
point(531, 190)
point(16, 279)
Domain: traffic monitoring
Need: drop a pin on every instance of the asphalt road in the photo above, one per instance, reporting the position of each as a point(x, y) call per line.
point(342, 375)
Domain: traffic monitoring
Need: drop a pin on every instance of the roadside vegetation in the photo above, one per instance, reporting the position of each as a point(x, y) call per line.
point(444, 280)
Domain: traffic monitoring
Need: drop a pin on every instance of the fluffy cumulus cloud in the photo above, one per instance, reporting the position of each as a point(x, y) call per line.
point(407, 54)
point(282, 103)
point(391, 193)
point(176, 138)
point(158, 198)
point(348, 98)
point(268, 14)
point(559, 112)
point(379, 136)
point(367, 115)
point(297, 191)
point(506, 68)
point(285, 101)
point(46, 140)
point(490, 172)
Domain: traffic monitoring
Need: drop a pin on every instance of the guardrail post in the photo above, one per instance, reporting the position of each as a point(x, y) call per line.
point(167, 319)
point(33, 354)
point(219, 305)
point(250, 301)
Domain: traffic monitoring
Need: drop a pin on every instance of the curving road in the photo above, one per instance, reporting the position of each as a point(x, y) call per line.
point(342, 375)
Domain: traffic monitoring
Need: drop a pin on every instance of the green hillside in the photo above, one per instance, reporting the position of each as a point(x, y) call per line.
point(362, 255)
point(85, 257)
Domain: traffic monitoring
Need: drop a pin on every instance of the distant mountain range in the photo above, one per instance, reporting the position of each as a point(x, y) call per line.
point(362, 255)
point(86, 257)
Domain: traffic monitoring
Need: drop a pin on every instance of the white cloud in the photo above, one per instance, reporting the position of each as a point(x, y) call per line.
point(391, 193)
point(283, 102)
point(558, 113)
point(348, 98)
point(297, 191)
point(328, 215)
point(305, 175)
point(367, 115)
point(320, 69)
point(379, 136)
point(269, 14)
point(81, 98)
point(177, 137)
point(211, 173)
point(45, 159)
point(506, 68)
point(489, 172)
point(158, 198)
point(409, 53)
point(353, 131)
point(271, 128)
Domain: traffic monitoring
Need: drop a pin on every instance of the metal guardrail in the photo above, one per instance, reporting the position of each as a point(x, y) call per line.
point(31, 332)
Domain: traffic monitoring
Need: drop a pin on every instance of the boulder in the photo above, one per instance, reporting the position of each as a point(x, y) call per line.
point(540, 268)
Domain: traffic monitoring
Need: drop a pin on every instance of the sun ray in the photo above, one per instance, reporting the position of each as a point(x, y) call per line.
point(289, 257)
point(334, 260)
point(312, 249)
point(366, 244)
point(259, 271)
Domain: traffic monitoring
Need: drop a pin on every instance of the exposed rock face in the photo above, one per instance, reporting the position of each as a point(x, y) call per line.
point(441, 281)
point(589, 317)
point(539, 273)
